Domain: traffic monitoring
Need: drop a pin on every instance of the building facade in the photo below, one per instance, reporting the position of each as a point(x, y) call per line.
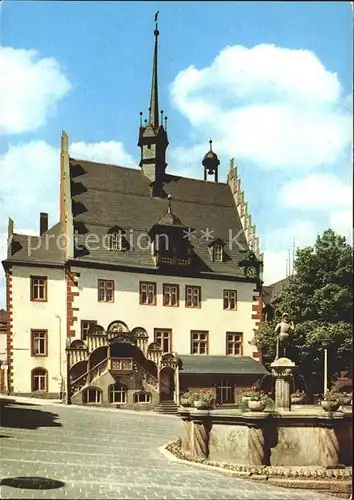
point(149, 285)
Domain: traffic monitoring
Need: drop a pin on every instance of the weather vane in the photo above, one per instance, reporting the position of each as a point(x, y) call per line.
point(156, 16)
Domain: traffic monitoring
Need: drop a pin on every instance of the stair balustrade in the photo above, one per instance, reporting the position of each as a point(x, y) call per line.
point(80, 382)
point(98, 369)
point(121, 364)
point(144, 374)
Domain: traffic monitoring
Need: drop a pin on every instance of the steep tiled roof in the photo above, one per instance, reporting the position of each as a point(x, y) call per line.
point(222, 365)
point(106, 196)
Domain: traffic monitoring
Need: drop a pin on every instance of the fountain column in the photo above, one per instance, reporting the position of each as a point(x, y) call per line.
point(282, 370)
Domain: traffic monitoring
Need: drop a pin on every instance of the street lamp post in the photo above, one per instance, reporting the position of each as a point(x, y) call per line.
point(68, 389)
point(61, 388)
point(325, 365)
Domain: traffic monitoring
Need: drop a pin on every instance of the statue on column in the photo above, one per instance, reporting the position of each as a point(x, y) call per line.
point(284, 330)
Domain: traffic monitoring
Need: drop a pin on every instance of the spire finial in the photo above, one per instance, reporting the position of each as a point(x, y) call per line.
point(156, 32)
point(211, 145)
point(169, 197)
point(154, 99)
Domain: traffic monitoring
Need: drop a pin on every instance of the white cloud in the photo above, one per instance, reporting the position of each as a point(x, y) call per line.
point(112, 152)
point(282, 238)
point(30, 88)
point(317, 192)
point(30, 180)
point(275, 266)
point(276, 107)
point(30, 177)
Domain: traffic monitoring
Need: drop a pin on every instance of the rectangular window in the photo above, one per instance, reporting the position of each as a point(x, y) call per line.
point(105, 291)
point(234, 343)
point(117, 394)
point(39, 380)
point(225, 392)
point(199, 342)
point(147, 293)
point(230, 300)
point(85, 326)
point(163, 337)
point(39, 288)
point(39, 343)
point(193, 296)
point(171, 295)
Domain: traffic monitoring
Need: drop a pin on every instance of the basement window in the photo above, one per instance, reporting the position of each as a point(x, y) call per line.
point(92, 396)
point(142, 397)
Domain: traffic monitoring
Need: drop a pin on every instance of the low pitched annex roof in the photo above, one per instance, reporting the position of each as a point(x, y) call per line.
point(270, 293)
point(222, 365)
point(44, 249)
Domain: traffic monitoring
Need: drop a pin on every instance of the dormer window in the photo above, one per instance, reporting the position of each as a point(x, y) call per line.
point(218, 253)
point(216, 250)
point(116, 241)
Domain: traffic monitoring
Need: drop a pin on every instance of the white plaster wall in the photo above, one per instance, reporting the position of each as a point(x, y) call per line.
point(38, 315)
point(3, 346)
point(211, 316)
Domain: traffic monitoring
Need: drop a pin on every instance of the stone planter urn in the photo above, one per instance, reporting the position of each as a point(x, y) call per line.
point(187, 403)
point(256, 405)
point(330, 405)
point(202, 405)
point(346, 401)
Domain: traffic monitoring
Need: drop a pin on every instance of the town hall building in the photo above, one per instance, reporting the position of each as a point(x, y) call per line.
point(149, 285)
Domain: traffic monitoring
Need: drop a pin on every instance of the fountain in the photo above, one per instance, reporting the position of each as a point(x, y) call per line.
point(307, 440)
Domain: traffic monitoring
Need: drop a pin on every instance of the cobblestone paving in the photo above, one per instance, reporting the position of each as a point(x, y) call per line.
point(103, 453)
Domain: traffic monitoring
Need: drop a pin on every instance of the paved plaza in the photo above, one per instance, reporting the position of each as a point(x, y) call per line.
point(102, 453)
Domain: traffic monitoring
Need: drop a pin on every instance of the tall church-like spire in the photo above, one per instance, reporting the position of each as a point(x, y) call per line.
point(153, 139)
point(154, 99)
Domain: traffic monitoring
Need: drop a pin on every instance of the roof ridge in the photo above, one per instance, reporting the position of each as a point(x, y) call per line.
point(198, 180)
point(137, 169)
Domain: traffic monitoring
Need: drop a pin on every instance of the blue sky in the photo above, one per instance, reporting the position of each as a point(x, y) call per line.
point(269, 82)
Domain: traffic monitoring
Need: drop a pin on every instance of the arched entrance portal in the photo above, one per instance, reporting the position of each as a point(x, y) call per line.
point(167, 383)
point(126, 350)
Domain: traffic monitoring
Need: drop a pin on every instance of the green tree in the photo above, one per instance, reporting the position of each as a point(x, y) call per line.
point(319, 299)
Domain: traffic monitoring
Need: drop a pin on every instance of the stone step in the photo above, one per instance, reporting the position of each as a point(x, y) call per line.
point(167, 407)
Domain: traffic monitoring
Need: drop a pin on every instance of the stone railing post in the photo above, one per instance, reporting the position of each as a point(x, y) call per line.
point(200, 435)
point(256, 446)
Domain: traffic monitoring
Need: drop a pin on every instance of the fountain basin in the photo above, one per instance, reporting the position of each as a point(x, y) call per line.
point(286, 438)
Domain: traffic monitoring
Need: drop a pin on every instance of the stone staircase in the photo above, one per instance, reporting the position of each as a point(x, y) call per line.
point(114, 366)
point(168, 407)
